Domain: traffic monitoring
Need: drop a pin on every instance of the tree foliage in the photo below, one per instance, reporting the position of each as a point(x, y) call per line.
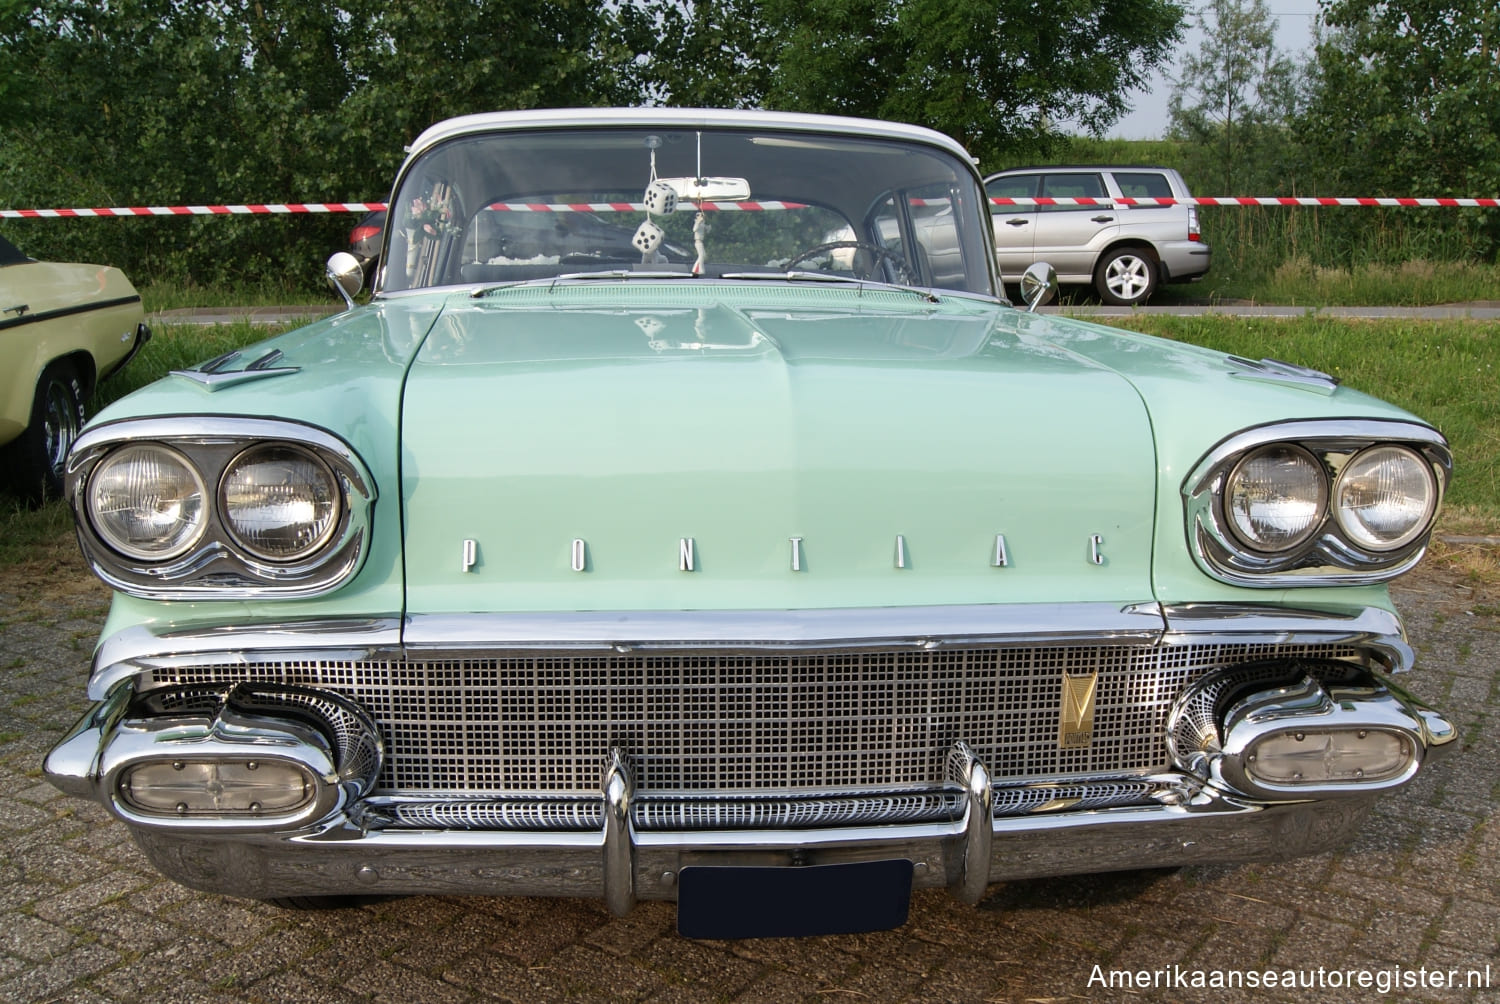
point(131, 102)
point(1234, 99)
point(1405, 100)
point(999, 75)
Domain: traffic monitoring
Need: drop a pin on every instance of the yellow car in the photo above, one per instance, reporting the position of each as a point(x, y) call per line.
point(63, 328)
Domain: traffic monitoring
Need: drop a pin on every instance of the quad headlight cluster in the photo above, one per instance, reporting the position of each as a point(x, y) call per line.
point(1348, 502)
point(172, 508)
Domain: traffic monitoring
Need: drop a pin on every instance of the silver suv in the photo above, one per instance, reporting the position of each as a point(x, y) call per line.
point(1124, 252)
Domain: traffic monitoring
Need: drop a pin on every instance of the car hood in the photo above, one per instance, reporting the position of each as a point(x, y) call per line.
point(809, 447)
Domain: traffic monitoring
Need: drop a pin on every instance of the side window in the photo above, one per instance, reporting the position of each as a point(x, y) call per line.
point(1012, 186)
point(1143, 185)
point(1072, 186)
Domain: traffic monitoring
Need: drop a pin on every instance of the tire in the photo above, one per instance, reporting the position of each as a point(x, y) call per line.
point(1126, 277)
point(34, 461)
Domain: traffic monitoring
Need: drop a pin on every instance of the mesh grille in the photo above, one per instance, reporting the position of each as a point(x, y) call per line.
point(754, 721)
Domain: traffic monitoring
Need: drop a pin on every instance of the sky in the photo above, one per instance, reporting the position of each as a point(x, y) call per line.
point(1148, 120)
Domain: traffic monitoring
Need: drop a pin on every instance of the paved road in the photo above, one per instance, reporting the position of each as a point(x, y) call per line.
point(85, 919)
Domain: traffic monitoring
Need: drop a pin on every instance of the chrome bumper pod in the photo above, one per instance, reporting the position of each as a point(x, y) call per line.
point(242, 758)
point(1276, 731)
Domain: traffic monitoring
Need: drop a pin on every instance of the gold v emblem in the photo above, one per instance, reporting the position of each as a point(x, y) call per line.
point(1076, 722)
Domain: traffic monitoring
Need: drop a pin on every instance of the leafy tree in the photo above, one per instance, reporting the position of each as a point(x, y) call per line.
point(173, 101)
point(996, 74)
point(1234, 98)
point(1405, 100)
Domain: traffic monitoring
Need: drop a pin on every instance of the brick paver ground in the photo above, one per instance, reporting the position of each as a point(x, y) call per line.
point(86, 919)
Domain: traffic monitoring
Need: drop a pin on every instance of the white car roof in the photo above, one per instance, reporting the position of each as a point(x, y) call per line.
point(681, 118)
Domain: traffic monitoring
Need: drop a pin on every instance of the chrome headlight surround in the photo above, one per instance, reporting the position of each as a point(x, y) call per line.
point(1326, 554)
point(218, 565)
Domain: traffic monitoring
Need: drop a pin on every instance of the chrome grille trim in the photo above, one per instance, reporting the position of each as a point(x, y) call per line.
point(726, 720)
point(1031, 800)
point(524, 815)
point(668, 814)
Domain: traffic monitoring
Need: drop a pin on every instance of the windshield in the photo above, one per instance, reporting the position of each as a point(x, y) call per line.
point(516, 205)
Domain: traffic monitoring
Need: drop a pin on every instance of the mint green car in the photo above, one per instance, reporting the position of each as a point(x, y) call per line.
point(737, 545)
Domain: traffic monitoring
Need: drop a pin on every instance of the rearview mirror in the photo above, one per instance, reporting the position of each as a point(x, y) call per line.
point(1038, 285)
point(710, 189)
point(345, 275)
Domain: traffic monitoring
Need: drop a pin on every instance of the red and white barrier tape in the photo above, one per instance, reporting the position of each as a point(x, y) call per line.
point(250, 210)
point(1247, 200)
point(621, 207)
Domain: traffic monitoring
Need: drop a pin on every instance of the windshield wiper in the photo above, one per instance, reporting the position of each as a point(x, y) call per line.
point(611, 273)
point(800, 276)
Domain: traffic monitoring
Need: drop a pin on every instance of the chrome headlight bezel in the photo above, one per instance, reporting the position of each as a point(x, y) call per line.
point(218, 565)
point(1328, 555)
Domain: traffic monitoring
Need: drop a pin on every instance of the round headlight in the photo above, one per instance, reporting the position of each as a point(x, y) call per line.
point(147, 502)
point(1385, 497)
point(279, 502)
point(1275, 498)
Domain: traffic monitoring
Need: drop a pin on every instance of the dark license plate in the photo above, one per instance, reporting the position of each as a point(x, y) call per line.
point(793, 901)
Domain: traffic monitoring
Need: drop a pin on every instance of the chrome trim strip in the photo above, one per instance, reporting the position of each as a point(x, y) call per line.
point(1370, 628)
point(920, 627)
point(1326, 558)
point(143, 647)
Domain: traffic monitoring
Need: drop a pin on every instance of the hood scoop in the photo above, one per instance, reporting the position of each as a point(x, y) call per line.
point(233, 368)
point(1287, 374)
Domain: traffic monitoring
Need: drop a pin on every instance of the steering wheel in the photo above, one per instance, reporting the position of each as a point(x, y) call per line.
point(880, 253)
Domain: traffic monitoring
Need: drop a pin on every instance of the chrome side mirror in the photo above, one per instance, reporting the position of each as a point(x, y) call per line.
point(1038, 285)
point(345, 275)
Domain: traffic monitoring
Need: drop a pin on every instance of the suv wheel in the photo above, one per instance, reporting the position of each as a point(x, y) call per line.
point(1125, 277)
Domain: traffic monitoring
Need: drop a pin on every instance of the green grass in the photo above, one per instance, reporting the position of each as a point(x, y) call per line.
point(22, 530)
point(165, 296)
point(1338, 257)
point(1300, 283)
point(179, 346)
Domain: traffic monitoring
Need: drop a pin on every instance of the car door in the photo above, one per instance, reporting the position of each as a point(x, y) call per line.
point(1068, 236)
point(1013, 225)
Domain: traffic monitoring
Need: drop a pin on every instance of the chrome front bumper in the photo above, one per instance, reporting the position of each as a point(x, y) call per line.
point(625, 845)
point(621, 865)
